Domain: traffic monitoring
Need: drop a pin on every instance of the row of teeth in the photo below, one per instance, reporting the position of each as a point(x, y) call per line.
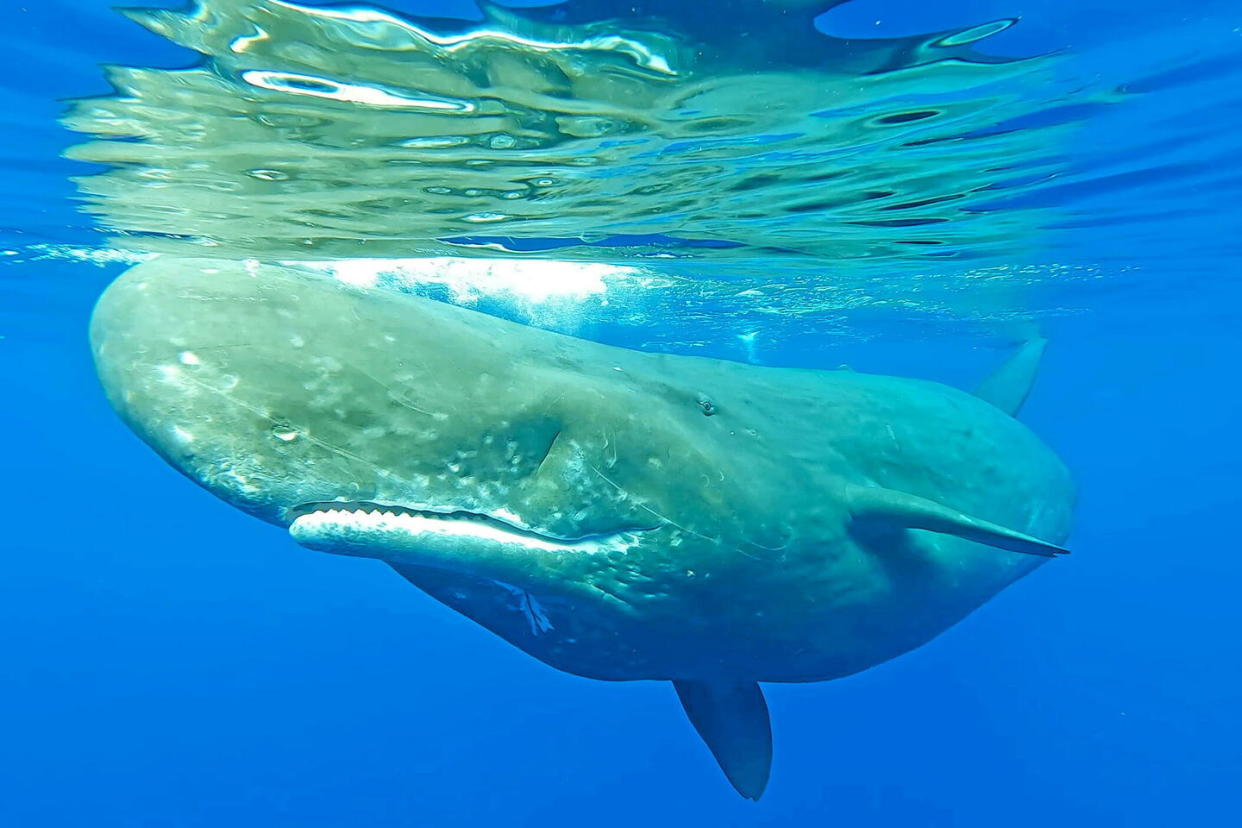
point(463, 526)
point(389, 513)
point(363, 513)
point(415, 516)
point(461, 523)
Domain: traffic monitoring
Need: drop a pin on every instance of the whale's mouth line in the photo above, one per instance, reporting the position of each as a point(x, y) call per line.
point(445, 522)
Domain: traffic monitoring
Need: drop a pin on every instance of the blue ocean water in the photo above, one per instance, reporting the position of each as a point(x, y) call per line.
point(169, 661)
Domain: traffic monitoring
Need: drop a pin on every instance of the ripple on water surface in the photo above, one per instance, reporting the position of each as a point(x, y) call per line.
point(757, 171)
point(351, 131)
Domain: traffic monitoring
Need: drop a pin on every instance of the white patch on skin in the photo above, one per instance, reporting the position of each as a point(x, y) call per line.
point(189, 358)
point(510, 517)
point(234, 478)
point(327, 364)
point(182, 435)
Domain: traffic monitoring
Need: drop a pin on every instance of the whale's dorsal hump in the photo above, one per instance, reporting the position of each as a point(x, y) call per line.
point(887, 508)
point(1009, 385)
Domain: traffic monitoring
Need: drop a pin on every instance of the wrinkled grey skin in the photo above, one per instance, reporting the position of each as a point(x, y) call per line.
point(274, 388)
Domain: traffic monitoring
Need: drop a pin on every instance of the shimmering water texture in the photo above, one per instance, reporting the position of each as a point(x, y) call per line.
point(351, 132)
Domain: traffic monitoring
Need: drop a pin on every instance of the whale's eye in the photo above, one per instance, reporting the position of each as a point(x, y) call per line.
point(708, 407)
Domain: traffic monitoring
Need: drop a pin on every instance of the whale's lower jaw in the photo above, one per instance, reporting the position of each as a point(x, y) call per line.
point(460, 541)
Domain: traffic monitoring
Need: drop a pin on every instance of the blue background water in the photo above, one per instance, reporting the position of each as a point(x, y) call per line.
point(167, 660)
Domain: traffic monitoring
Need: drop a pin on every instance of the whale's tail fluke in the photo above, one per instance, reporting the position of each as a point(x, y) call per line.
point(1009, 385)
point(732, 718)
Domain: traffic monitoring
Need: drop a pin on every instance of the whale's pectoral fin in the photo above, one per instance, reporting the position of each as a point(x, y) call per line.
point(893, 509)
point(1009, 385)
point(732, 718)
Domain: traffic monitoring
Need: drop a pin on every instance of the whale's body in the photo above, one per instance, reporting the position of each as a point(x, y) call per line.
point(616, 514)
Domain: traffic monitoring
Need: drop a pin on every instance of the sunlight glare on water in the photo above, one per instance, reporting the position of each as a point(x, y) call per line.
point(756, 172)
point(353, 132)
